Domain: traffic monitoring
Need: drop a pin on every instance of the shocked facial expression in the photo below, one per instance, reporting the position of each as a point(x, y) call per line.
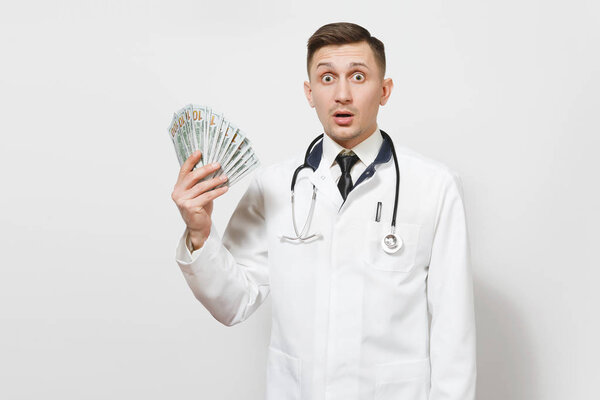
point(346, 88)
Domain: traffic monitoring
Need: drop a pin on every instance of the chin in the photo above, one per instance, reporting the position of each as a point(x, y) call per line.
point(344, 133)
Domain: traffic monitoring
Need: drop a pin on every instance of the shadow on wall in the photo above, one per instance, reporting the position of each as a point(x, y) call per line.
point(505, 359)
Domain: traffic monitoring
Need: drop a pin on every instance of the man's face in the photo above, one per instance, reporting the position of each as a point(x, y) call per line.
point(346, 88)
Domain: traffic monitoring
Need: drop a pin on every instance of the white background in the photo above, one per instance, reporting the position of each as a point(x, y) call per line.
point(92, 303)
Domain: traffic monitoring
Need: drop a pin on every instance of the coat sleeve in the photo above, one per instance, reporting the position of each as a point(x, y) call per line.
point(230, 276)
point(452, 344)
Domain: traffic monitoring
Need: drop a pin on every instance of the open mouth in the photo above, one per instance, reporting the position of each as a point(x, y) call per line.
point(343, 117)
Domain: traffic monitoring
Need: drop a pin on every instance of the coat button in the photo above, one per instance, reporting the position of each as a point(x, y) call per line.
point(322, 177)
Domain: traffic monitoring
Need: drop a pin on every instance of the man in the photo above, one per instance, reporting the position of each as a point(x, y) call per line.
point(349, 320)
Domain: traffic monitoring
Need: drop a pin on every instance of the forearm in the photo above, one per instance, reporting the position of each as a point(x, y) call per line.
point(453, 343)
point(229, 290)
point(230, 276)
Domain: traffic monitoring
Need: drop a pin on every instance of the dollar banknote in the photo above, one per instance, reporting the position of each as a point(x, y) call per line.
point(198, 127)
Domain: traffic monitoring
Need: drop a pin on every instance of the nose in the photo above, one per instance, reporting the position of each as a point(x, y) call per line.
point(343, 94)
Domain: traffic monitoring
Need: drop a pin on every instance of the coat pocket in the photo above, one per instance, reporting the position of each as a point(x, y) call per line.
point(402, 260)
point(283, 376)
point(402, 380)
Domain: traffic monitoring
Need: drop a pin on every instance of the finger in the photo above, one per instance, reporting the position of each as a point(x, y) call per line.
point(204, 186)
point(188, 165)
point(207, 197)
point(198, 174)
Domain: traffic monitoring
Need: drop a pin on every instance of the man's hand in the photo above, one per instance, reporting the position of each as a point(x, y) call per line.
point(195, 200)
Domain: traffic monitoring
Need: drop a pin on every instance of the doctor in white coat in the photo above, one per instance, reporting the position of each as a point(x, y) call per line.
point(350, 321)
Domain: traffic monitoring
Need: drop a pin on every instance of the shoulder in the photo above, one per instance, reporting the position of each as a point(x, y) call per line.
point(277, 171)
point(443, 183)
point(426, 166)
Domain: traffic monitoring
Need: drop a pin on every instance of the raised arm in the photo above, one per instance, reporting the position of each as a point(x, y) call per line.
point(230, 276)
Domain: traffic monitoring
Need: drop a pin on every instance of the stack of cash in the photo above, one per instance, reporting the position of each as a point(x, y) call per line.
point(201, 128)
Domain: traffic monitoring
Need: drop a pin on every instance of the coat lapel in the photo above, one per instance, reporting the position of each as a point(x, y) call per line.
point(323, 181)
point(325, 185)
point(321, 177)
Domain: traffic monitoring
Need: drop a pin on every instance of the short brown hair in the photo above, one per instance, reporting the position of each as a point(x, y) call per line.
point(339, 33)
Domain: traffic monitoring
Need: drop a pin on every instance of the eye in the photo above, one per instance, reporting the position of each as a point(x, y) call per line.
point(359, 77)
point(327, 78)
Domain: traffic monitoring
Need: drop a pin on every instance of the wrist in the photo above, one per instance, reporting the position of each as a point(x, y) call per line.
point(195, 240)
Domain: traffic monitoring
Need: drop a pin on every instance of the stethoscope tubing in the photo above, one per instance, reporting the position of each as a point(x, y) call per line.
point(397, 194)
point(306, 164)
point(299, 236)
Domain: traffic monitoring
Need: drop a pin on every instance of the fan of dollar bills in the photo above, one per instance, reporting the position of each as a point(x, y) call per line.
point(201, 128)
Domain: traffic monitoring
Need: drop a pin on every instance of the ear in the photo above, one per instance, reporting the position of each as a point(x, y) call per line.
point(387, 87)
point(308, 93)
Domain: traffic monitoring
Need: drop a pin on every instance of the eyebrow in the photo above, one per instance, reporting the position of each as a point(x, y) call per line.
point(358, 64)
point(351, 65)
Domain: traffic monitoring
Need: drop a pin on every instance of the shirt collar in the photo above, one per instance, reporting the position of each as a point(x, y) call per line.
point(366, 150)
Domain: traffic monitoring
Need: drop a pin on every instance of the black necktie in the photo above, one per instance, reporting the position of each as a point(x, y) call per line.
point(345, 161)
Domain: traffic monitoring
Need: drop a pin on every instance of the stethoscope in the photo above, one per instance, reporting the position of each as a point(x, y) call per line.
point(390, 243)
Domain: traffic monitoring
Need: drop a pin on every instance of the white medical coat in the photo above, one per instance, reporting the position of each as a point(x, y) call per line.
point(349, 321)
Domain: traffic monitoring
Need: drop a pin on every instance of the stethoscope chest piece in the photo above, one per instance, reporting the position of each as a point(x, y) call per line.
point(391, 243)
